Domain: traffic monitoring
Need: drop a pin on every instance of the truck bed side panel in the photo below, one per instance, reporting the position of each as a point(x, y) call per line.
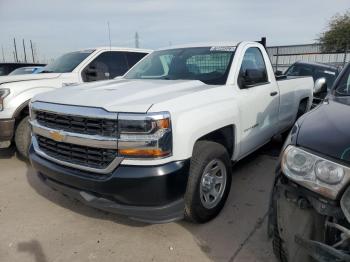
point(292, 91)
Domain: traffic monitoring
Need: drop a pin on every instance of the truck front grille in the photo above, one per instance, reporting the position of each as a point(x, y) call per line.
point(77, 124)
point(81, 155)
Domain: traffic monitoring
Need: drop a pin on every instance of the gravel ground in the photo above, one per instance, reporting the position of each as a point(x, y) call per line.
point(37, 224)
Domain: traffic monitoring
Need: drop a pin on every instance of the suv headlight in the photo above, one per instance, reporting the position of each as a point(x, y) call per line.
point(145, 135)
point(315, 173)
point(3, 93)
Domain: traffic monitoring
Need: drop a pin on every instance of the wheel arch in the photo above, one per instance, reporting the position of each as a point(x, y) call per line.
point(21, 112)
point(224, 136)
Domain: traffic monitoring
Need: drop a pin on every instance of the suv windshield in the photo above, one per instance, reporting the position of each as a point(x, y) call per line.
point(210, 65)
point(315, 71)
point(67, 63)
point(343, 87)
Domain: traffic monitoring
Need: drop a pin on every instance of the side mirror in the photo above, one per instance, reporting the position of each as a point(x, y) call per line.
point(91, 71)
point(320, 86)
point(251, 77)
point(96, 71)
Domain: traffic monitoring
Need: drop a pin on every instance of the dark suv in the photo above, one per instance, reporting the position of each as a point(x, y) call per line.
point(309, 216)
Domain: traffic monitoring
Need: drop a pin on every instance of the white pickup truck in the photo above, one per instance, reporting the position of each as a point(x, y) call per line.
point(157, 144)
point(70, 69)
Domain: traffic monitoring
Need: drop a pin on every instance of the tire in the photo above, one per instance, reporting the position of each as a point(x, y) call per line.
point(278, 248)
point(210, 156)
point(22, 137)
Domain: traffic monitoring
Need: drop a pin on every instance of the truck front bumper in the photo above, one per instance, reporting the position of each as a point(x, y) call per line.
point(151, 194)
point(7, 127)
point(302, 224)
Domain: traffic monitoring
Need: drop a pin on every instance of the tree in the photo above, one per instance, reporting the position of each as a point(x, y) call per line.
point(336, 38)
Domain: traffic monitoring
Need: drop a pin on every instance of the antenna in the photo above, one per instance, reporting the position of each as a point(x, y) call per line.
point(137, 43)
point(109, 36)
point(3, 56)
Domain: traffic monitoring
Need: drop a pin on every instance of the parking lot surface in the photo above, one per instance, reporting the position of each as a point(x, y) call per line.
point(37, 224)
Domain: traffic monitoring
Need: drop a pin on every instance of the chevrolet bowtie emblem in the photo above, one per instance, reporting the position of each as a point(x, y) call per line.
point(57, 136)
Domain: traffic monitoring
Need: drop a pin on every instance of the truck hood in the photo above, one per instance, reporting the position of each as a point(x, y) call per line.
point(123, 95)
point(28, 77)
point(327, 129)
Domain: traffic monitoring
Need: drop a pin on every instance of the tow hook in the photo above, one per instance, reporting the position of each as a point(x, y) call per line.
point(321, 252)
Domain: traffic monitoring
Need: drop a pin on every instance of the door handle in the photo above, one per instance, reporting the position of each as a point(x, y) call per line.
point(273, 93)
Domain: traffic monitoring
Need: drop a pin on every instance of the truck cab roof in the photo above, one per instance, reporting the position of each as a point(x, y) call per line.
point(115, 48)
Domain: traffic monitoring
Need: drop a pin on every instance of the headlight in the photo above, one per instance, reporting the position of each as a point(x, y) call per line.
point(316, 173)
point(145, 135)
point(3, 93)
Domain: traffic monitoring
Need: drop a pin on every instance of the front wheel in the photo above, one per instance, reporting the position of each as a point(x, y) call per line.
point(22, 137)
point(209, 182)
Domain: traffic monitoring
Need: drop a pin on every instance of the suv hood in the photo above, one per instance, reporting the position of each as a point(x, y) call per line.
point(123, 95)
point(28, 77)
point(326, 129)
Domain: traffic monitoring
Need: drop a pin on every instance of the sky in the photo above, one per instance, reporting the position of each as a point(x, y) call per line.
point(59, 26)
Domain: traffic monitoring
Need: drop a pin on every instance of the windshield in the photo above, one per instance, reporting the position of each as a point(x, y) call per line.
point(67, 63)
point(315, 71)
point(207, 64)
point(343, 87)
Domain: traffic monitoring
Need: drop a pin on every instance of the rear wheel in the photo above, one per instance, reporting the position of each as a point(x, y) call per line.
point(209, 182)
point(22, 137)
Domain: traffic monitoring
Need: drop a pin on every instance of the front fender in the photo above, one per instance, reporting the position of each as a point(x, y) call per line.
point(18, 102)
point(190, 125)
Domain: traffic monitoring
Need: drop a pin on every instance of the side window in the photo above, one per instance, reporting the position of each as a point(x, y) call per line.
point(107, 65)
point(253, 69)
point(133, 58)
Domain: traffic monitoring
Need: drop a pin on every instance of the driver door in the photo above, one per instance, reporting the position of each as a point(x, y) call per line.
point(259, 101)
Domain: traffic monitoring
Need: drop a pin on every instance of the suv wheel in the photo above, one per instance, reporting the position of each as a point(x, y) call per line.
point(209, 182)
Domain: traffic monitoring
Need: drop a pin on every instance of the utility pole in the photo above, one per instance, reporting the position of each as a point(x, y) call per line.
point(3, 56)
point(137, 43)
point(109, 35)
point(24, 50)
point(31, 47)
point(16, 56)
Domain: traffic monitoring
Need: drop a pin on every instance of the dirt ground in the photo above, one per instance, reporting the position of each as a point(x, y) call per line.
point(37, 224)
